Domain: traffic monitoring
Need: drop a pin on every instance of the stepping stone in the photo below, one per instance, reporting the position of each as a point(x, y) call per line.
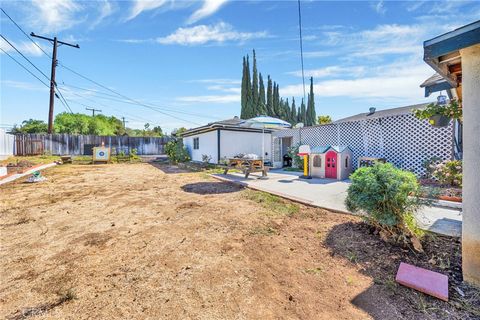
point(423, 280)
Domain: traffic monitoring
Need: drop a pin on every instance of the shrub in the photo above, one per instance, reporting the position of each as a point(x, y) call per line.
point(206, 158)
point(388, 196)
point(176, 152)
point(297, 161)
point(429, 166)
point(448, 172)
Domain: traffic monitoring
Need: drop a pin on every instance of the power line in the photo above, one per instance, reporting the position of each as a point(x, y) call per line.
point(125, 97)
point(64, 100)
point(114, 98)
point(86, 78)
point(301, 46)
point(20, 28)
point(26, 69)
point(1, 35)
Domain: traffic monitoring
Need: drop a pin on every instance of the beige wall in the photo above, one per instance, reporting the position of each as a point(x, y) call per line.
point(471, 164)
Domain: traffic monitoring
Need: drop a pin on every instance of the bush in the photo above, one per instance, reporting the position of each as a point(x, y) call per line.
point(389, 197)
point(448, 172)
point(176, 152)
point(297, 161)
point(429, 166)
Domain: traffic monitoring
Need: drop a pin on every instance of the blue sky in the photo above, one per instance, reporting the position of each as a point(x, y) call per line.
point(185, 57)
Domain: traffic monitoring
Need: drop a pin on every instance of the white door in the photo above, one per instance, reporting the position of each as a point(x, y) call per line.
point(277, 153)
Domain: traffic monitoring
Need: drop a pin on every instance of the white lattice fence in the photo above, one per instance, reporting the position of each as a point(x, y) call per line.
point(402, 139)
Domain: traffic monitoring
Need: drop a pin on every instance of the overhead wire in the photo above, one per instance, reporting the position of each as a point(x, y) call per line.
point(26, 69)
point(301, 47)
point(29, 61)
point(28, 36)
point(154, 108)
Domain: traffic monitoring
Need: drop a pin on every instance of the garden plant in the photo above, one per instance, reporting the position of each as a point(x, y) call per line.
point(388, 197)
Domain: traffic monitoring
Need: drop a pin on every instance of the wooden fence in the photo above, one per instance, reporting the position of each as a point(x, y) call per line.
point(67, 144)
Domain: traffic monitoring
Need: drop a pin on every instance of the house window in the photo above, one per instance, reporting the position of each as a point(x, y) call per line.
point(196, 143)
point(317, 161)
point(346, 162)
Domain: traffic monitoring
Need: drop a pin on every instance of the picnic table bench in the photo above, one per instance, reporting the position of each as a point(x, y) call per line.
point(247, 166)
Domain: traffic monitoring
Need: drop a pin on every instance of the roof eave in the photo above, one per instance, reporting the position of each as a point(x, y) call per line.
point(449, 43)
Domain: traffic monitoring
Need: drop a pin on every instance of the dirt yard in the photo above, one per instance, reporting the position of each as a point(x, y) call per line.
point(143, 241)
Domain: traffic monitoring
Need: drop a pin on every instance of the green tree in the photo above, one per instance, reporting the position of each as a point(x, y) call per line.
point(311, 116)
point(324, 120)
point(255, 93)
point(293, 113)
point(302, 113)
point(262, 107)
point(31, 126)
point(270, 110)
point(178, 132)
point(244, 90)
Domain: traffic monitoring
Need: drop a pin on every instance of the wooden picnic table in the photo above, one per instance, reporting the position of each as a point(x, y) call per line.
point(247, 166)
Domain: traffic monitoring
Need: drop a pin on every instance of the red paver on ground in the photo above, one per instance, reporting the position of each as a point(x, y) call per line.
point(423, 280)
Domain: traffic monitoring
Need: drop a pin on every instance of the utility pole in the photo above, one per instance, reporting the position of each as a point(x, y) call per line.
point(55, 43)
point(123, 120)
point(93, 111)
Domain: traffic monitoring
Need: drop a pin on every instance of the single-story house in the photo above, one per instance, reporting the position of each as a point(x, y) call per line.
point(226, 139)
point(333, 162)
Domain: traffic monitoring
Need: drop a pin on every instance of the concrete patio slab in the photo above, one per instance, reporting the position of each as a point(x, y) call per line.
point(330, 194)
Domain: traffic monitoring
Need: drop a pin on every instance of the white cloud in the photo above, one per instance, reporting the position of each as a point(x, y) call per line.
point(224, 88)
point(105, 10)
point(23, 85)
point(55, 15)
point(208, 8)
point(379, 7)
point(25, 47)
point(211, 98)
point(398, 81)
point(144, 5)
point(201, 34)
point(218, 81)
point(332, 71)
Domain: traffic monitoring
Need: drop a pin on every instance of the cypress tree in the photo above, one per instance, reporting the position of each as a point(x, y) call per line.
point(293, 113)
point(276, 100)
point(270, 111)
point(302, 114)
point(311, 114)
point(249, 110)
point(287, 111)
point(261, 99)
point(244, 91)
point(255, 99)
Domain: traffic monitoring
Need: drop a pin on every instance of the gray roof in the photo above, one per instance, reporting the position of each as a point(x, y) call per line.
point(323, 149)
point(383, 113)
point(233, 124)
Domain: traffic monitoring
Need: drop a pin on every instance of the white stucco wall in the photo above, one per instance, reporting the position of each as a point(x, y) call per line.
point(7, 143)
point(471, 164)
point(235, 142)
point(207, 145)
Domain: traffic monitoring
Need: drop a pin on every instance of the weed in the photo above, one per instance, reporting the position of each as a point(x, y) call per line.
point(264, 231)
point(349, 280)
point(352, 257)
point(316, 270)
point(275, 205)
point(67, 296)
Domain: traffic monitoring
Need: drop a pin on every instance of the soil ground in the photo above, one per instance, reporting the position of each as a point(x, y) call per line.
point(146, 241)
